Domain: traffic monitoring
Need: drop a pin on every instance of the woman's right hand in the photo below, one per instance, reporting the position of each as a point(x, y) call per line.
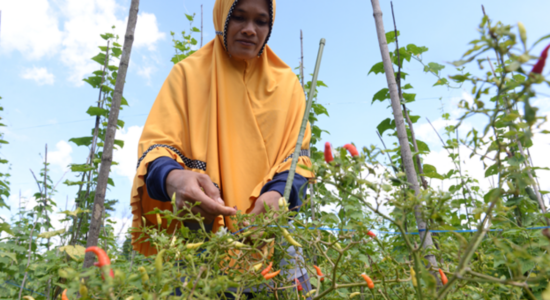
point(187, 186)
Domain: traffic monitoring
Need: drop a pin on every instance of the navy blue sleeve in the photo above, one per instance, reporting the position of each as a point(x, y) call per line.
point(155, 179)
point(278, 184)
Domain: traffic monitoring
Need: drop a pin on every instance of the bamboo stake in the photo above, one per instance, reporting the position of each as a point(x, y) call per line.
point(408, 164)
point(107, 158)
point(292, 170)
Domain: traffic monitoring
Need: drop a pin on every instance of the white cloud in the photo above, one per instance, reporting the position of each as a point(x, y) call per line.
point(147, 31)
point(30, 27)
point(144, 71)
point(61, 157)
point(40, 75)
point(127, 156)
point(35, 32)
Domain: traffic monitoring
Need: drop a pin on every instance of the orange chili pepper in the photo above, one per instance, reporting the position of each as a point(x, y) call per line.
point(271, 275)
point(64, 295)
point(351, 149)
point(328, 153)
point(298, 285)
point(371, 234)
point(266, 270)
point(370, 284)
point(320, 273)
point(102, 258)
point(444, 279)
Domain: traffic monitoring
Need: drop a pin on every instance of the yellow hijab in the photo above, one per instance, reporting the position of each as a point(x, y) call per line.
point(236, 121)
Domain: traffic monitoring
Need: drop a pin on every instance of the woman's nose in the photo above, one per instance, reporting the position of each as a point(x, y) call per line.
point(248, 29)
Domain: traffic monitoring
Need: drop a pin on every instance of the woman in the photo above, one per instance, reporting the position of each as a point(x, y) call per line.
point(223, 127)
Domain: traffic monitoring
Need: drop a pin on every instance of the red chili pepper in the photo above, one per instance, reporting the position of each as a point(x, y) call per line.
point(539, 66)
point(320, 273)
point(271, 275)
point(266, 270)
point(371, 234)
point(444, 279)
point(298, 285)
point(328, 153)
point(102, 258)
point(64, 295)
point(351, 149)
point(370, 284)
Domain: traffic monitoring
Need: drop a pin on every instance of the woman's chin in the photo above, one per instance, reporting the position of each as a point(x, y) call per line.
point(243, 54)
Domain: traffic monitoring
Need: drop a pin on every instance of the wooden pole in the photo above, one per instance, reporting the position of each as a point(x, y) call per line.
point(107, 158)
point(401, 130)
point(292, 171)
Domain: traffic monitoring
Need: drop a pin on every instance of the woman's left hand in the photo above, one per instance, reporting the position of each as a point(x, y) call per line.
point(270, 198)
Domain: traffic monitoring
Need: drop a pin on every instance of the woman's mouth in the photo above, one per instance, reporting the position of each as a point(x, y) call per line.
point(246, 43)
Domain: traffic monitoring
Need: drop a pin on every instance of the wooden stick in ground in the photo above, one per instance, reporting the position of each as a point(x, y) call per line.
point(405, 111)
point(107, 158)
point(296, 153)
point(311, 188)
point(402, 131)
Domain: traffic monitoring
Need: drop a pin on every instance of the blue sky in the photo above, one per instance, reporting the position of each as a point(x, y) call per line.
point(45, 52)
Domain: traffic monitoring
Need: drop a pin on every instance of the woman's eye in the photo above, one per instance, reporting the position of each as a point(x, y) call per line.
point(237, 18)
point(261, 23)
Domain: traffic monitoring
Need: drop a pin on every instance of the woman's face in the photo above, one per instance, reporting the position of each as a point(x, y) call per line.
point(248, 28)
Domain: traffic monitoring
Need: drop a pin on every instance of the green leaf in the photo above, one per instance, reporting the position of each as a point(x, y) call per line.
point(107, 36)
point(76, 252)
point(459, 63)
point(123, 101)
point(119, 143)
point(492, 170)
point(97, 111)
point(442, 81)
point(433, 67)
point(195, 29)
point(390, 36)
point(100, 58)
point(377, 68)
point(117, 52)
point(492, 195)
point(385, 125)
point(409, 97)
point(541, 39)
point(381, 95)
point(431, 172)
point(50, 234)
point(415, 50)
point(74, 213)
point(5, 227)
point(13, 256)
point(422, 147)
point(190, 18)
point(82, 141)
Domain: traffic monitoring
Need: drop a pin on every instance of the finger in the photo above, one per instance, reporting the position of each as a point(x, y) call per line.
point(207, 217)
point(209, 188)
point(211, 206)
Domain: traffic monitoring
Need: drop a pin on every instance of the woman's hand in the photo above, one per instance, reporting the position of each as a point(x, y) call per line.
point(187, 186)
point(270, 198)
